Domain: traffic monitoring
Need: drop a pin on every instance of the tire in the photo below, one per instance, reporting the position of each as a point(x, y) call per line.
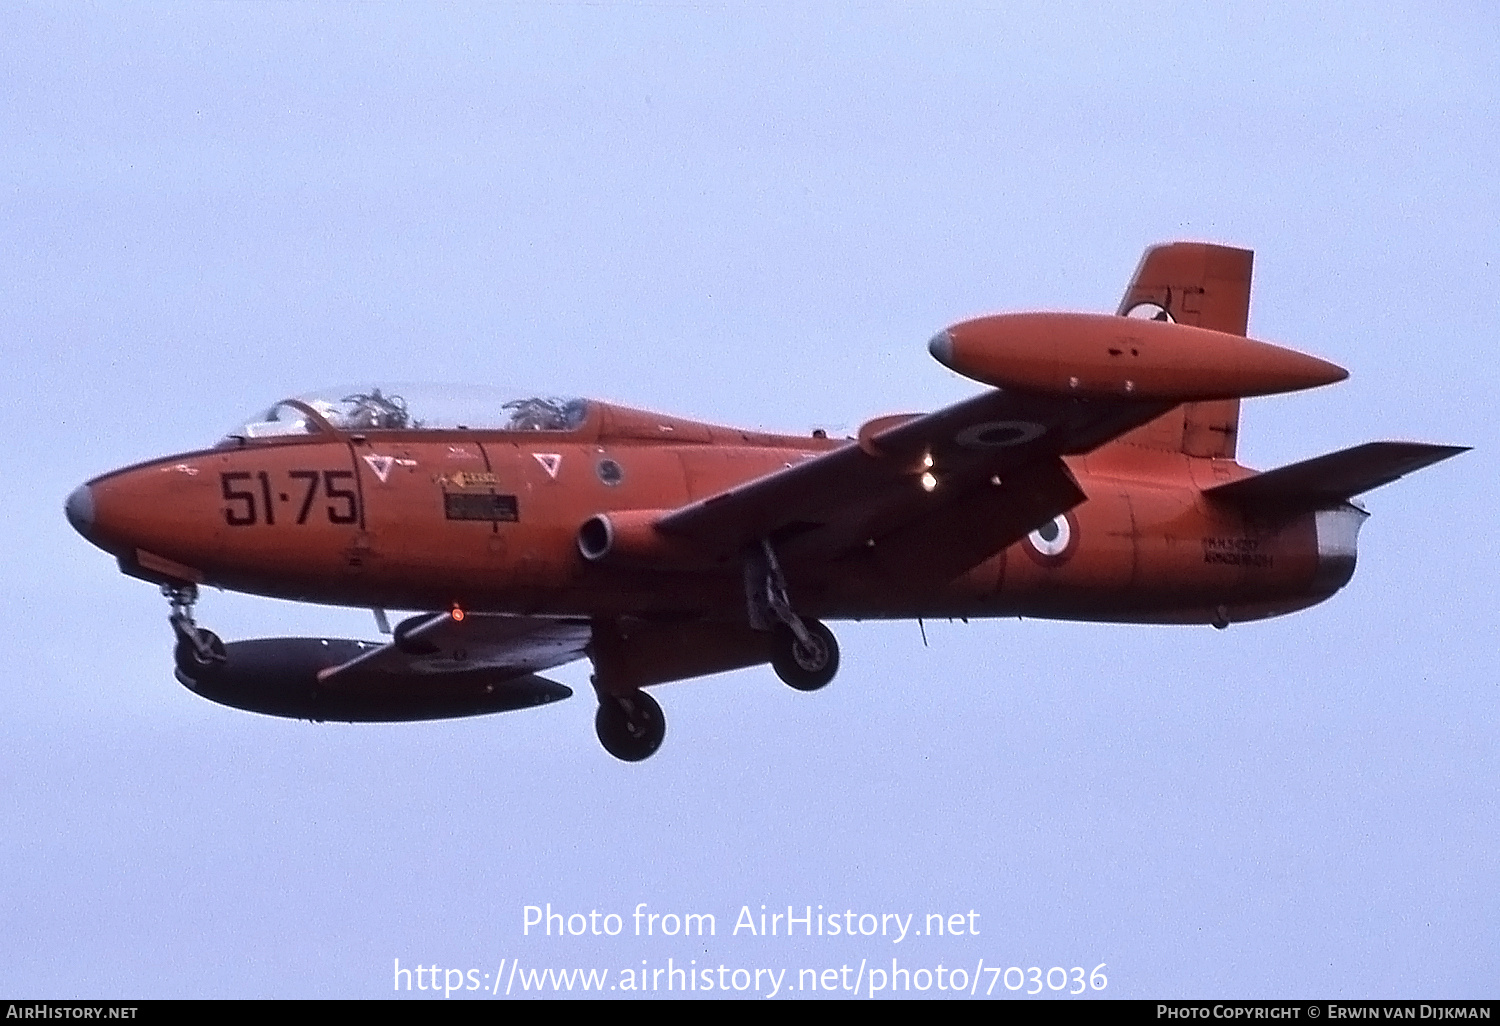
point(806, 668)
point(630, 728)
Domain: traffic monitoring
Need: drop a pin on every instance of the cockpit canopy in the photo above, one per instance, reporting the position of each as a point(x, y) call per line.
point(362, 408)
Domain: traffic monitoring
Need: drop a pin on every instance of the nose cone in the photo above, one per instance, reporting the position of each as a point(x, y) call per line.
point(941, 348)
point(80, 510)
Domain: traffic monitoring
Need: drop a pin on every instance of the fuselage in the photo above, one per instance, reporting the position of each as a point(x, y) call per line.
point(488, 520)
point(1093, 479)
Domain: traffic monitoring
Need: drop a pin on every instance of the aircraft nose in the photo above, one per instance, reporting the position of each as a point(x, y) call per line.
point(80, 509)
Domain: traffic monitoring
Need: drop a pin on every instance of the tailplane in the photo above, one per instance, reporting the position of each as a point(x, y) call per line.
point(1325, 482)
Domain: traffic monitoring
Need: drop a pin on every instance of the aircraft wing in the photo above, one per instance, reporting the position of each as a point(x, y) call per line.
point(1003, 445)
point(437, 644)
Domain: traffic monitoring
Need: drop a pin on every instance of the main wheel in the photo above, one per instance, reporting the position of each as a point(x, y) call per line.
point(805, 667)
point(630, 728)
point(195, 666)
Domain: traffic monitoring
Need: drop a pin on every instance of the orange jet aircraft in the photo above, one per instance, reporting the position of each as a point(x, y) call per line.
point(1095, 479)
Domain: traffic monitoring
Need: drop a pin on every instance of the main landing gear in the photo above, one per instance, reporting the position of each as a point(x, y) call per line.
point(199, 652)
point(630, 727)
point(804, 653)
point(806, 665)
point(630, 724)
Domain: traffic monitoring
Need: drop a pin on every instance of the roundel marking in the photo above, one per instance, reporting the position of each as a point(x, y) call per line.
point(1149, 311)
point(1053, 543)
point(999, 434)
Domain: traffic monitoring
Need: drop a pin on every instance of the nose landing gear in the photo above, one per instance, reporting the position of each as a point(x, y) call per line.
point(199, 651)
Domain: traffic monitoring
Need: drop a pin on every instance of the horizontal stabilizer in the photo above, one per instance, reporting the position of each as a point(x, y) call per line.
point(1334, 478)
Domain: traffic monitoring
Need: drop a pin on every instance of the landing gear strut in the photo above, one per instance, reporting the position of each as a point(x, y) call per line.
point(805, 653)
point(199, 651)
point(630, 727)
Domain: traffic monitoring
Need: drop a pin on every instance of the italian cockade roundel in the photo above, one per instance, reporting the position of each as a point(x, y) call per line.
point(1149, 311)
point(1054, 542)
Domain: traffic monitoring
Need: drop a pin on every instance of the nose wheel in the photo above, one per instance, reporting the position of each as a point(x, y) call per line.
point(199, 651)
point(630, 727)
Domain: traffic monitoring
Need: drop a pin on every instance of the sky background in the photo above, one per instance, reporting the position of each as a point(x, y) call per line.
point(753, 215)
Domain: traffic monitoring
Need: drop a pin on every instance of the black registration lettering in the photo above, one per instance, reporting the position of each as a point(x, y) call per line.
point(241, 508)
point(265, 491)
point(346, 496)
point(232, 495)
point(311, 477)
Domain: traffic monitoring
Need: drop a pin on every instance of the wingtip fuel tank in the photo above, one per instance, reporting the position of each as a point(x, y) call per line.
point(1082, 354)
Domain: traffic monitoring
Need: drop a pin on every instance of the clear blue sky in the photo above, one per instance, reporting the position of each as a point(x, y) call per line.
point(754, 215)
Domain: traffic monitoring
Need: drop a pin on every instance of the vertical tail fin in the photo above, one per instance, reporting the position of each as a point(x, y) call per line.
point(1206, 286)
